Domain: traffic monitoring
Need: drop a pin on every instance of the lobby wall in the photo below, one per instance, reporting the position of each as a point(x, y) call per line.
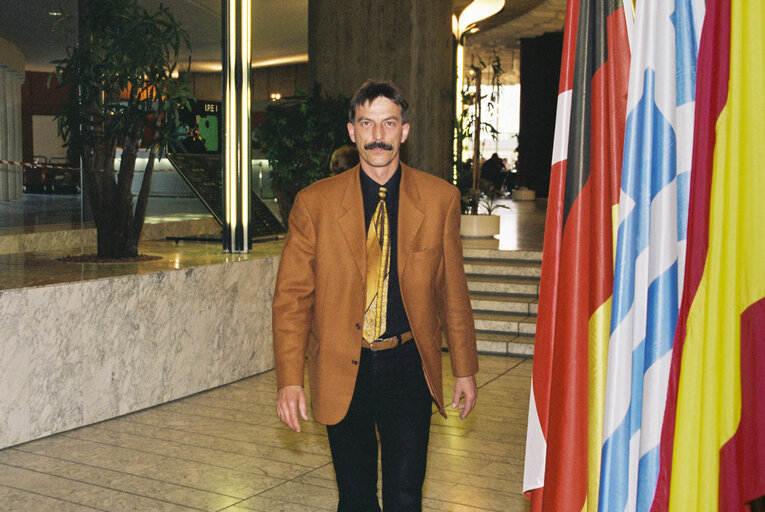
point(284, 80)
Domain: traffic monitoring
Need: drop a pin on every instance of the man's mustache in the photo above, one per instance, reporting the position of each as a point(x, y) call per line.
point(378, 144)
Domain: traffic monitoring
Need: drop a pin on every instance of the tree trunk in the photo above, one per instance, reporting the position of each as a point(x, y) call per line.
point(143, 197)
point(115, 245)
point(111, 201)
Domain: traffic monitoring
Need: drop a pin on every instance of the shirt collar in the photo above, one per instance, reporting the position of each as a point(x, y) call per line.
point(368, 185)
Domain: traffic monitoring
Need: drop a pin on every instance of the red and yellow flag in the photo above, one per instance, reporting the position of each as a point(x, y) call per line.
point(713, 439)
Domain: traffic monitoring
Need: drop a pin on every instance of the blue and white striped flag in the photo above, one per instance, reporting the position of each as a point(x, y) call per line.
point(650, 250)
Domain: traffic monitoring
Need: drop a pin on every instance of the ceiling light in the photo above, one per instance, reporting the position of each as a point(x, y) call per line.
point(289, 59)
point(477, 11)
point(55, 13)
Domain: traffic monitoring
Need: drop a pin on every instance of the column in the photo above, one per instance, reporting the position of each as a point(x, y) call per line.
point(11, 78)
point(14, 134)
point(4, 169)
point(407, 41)
point(237, 63)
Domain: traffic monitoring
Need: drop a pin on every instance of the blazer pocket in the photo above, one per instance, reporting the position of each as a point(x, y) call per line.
point(423, 254)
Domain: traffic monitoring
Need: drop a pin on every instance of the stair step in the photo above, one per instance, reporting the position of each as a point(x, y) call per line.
point(504, 302)
point(510, 323)
point(485, 266)
point(496, 254)
point(504, 291)
point(490, 342)
point(503, 284)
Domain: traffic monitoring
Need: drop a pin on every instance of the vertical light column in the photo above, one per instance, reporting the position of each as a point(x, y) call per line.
point(236, 99)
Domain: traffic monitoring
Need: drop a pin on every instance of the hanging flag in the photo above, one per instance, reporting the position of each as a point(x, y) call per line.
point(565, 415)
point(539, 397)
point(712, 441)
point(651, 242)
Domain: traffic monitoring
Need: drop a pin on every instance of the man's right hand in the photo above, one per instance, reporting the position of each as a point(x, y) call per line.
point(291, 399)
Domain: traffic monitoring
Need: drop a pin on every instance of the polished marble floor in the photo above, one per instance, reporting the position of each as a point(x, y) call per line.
point(225, 449)
point(38, 210)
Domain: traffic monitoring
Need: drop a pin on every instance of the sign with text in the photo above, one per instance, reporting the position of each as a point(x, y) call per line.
point(200, 127)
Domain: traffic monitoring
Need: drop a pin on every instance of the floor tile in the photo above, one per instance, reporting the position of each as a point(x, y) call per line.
point(224, 449)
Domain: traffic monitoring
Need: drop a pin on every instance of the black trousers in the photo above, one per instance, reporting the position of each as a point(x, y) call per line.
point(391, 394)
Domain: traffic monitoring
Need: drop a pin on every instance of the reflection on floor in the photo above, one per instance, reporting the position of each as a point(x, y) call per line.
point(522, 224)
point(22, 270)
point(67, 210)
point(225, 449)
point(36, 210)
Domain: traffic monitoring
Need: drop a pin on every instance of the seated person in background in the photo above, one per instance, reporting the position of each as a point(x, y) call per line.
point(509, 174)
point(492, 171)
point(343, 159)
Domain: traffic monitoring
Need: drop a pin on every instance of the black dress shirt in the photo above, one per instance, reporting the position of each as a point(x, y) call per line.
point(396, 320)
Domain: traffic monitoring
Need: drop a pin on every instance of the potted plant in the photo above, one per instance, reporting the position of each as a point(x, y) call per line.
point(121, 93)
point(485, 223)
point(479, 197)
point(298, 137)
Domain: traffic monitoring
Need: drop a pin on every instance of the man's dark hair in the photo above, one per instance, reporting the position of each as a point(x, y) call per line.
point(371, 90)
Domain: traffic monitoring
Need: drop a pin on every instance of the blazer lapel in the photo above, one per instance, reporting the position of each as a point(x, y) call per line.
point(410, 217)
point(351, 220)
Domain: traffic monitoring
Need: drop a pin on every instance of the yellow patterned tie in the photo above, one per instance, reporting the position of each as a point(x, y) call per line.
point(378, 266)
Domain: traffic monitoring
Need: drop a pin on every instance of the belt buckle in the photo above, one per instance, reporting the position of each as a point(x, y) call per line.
point(375, 342)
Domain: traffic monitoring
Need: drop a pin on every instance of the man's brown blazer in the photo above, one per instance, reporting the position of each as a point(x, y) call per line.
point(318, 307)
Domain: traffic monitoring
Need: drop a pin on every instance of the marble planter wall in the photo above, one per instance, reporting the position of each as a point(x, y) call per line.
point(78, 353)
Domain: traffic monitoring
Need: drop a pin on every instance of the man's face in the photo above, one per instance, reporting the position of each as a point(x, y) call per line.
point(378, 132)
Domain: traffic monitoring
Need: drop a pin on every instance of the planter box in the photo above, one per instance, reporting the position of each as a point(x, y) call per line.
point(479, 226)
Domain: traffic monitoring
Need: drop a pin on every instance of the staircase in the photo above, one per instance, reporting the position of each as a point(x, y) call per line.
point(504, 290)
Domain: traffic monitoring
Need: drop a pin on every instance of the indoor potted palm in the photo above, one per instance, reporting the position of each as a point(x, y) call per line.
point(122, 93)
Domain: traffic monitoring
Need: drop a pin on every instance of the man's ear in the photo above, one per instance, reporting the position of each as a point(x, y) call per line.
point(404, 132)
point(351, 133)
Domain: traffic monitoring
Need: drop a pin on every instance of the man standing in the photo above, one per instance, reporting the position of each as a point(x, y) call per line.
point(371, 272)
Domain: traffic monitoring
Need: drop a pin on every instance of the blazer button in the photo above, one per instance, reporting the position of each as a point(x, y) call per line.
point(355, 362)
point(358, 326)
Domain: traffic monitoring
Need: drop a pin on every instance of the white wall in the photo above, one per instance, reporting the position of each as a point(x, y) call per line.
point(45, 139)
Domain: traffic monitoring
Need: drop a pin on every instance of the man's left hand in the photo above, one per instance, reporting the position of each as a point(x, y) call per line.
point(465, 394)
